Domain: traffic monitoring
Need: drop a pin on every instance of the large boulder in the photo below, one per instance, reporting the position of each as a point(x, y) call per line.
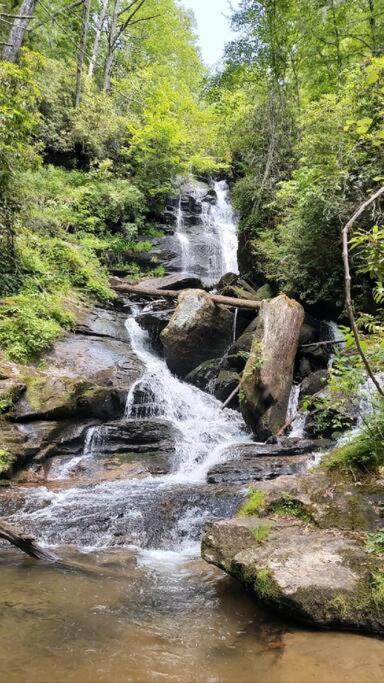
point(268, 374)
point(84, 378)
point(199, 330)
point(322, 577)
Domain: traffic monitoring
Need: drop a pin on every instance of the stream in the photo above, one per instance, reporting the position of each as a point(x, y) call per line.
point(138, 605)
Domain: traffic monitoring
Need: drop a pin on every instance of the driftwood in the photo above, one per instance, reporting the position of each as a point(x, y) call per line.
point(24, 542)
point(173, 294)
point(347, 276)
point(231, 396)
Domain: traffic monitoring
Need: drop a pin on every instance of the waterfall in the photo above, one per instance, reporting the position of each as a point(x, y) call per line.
point(208, 248)
point(294, 416)
point(183, 238)
point(94, 439)
point(134, 511)
point(204, 428)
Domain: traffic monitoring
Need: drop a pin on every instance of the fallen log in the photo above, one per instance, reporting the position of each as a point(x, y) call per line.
point(24, 542)
point(173, 294)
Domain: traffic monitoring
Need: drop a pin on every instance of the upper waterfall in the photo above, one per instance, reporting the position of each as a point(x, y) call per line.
point(207, 234)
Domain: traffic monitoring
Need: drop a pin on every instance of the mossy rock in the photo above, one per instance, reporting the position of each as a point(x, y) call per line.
point(323, 577)
point(59, 397)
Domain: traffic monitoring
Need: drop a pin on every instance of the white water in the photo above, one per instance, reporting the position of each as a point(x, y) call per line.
point(209, 248)
point(297, 417)
point(204, 428)
point(130, 511)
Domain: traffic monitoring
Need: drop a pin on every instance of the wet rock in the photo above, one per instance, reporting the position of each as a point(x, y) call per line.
point(155, 321)
point(321, 577)
point(147, 437)
point(313, 383)
point(41, 440)
point(175, 281)
point(225, 383)
point(252, 462)
point(50, 397)
point(256, 469)
point(205, 374)
point(100, 322)
point(198, 331)
point(268, 374)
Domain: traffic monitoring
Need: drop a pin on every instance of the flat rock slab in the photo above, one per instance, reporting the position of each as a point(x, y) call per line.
point(323, 577)
point(256, 469)
point(176, 281)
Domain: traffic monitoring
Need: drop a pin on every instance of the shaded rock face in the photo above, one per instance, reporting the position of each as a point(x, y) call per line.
point(85, 378)
point(268, 374)
point(320, 576)
point(198, 331)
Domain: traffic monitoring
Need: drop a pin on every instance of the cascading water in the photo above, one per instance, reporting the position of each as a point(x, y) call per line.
point(208, 246)
point(120, 512)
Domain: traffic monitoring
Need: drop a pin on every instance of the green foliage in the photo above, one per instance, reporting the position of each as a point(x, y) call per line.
point(364, 452)
point(30, 322)
point(288, 506)
point(6, 460)
point(254, 503)
point(375, 542)
point(261, 532)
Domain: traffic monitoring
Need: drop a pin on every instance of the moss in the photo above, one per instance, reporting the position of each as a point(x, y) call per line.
point(375, 542)
point(9, 397)
point(265, 586)
point(254, 503)
point(287, 506)
point(260, 533)
point(6, 460)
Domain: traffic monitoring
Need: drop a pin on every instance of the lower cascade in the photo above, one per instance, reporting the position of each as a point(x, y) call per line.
point(151, 488)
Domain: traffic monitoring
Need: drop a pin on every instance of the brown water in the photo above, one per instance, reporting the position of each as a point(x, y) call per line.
point(128, 618)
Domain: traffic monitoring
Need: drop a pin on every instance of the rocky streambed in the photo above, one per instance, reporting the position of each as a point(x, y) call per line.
point(117, 445)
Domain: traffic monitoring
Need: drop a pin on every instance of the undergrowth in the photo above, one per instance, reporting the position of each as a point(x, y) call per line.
point(364, 452)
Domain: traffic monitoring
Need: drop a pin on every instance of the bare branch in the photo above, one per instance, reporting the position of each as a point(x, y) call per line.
point(347, 276)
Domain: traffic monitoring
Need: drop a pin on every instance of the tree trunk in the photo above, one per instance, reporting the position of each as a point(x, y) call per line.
point(112, 34)
point(24, 542)
point(18, 30)
point(82, 49)
point(373, 25)
point(96, 42)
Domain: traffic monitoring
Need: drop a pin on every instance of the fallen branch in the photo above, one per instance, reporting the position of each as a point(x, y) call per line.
point(323, 343)
point(24, 542)
point(347, 276)
point(231, 396)
point(173, 294)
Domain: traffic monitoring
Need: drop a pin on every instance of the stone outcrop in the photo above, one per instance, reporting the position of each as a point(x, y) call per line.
point(323, 577)
point(267, 376)
point(253, 462)
point(84, 380)
point(199, 330)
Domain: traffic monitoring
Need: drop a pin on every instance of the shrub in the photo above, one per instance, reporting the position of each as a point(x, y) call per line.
point(365, 452)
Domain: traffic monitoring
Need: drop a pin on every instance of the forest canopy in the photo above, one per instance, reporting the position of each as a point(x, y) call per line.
point(103, 103)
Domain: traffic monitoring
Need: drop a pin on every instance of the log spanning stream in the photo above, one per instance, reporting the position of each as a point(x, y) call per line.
point(133, 602)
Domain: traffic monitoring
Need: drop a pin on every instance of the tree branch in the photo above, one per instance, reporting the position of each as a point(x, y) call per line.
point(347, 276)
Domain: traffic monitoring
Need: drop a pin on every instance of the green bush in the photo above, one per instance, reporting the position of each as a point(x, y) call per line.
point(30, 322)
point(364, 452)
